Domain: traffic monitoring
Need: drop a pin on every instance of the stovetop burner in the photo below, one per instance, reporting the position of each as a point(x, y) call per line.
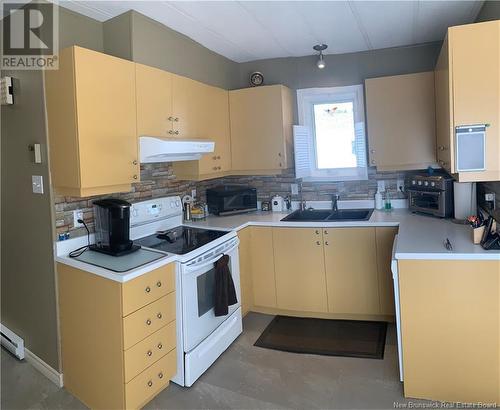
point(180, 240)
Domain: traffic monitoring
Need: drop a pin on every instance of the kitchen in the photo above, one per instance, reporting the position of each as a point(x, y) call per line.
point(259, 136)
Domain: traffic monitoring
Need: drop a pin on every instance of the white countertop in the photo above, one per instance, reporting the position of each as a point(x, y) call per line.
point(420, 237)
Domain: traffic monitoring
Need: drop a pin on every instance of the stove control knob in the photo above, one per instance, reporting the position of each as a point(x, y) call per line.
point(419, 182)
point(426, 183)
point(135, 212)
point(413, 182)
point(172, 204)
point(177, 203)
point(433, 184)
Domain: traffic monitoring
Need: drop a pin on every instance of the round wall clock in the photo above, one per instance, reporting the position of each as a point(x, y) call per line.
point(256, 79)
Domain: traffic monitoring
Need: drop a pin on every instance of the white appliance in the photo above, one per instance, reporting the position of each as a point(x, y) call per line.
point(395, 278)
point(277, 203)
point(153, 149)
point(201, 336)
point(465, 199)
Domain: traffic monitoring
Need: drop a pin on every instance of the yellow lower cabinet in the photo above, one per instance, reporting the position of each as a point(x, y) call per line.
point(263, 275)
point(245, 256)
point(450, 318)
point(151, 381)
point(300, 270)
point(351, 270)
point(385, 239)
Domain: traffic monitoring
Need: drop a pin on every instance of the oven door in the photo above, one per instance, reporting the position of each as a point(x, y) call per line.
point(198, 293)
point(431, 202)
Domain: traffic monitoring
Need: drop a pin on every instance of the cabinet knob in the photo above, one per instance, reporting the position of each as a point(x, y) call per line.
point(148, 322)
point(158, 284)
point(149, 353)
point(134, 162)
point(281, 164)
point(372, 151)
point(214, 157)
point(318, 243)
point(160, 346)
point(150, 383)
point(170, 118)
point(148, 289)
point(373, 161)
point(325, 232)
point(214, 168)
point(135, 177)
point(176, 132)
point(316, 232)
point(279, 154)
point(176, 119)
point(326, 243)
point(218, 156)
point(160, 375)
point(159, 315)
point(219, 168)
point(442, 148)
point(171, 132)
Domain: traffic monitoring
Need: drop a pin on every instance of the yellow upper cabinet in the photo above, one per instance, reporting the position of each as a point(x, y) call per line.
point(154, 101)
point(401, 121)
point(91, 110)
point(202, 112)
point(468, 93)
point(261, 129)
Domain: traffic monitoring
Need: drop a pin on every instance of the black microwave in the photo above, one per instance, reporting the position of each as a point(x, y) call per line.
point(231, 199)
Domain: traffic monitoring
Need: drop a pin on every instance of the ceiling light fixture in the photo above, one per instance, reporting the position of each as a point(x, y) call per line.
point(321, 61)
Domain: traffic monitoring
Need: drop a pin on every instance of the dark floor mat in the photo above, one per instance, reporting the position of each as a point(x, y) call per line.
point(352, 338)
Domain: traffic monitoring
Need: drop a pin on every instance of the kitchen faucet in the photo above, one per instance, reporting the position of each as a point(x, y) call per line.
point(335, 199)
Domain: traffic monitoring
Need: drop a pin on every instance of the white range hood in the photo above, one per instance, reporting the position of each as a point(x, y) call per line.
point(153, 149)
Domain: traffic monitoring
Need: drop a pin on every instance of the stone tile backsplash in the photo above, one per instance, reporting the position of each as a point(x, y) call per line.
point(158, 180)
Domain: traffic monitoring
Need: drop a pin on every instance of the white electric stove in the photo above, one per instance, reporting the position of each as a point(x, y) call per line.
point(201, 336)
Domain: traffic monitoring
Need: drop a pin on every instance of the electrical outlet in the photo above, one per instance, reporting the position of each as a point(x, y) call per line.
point(401, 185)
point(294, 188)
point(77, 214)
point(193, 193)
point(37, 184)
point(490, 196)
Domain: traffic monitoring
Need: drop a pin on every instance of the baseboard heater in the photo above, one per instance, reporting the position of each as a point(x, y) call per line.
point(12, 342)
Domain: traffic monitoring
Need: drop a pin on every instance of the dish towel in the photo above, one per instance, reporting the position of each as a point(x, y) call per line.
point(225, 293)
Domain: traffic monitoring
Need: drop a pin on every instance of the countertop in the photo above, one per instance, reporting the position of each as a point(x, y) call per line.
point(419, 237)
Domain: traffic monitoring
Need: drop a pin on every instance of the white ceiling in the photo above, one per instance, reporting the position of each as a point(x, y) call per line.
point(252, 30)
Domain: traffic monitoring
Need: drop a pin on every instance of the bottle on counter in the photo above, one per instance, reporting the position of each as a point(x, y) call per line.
point(388, 204)
point(379, 202)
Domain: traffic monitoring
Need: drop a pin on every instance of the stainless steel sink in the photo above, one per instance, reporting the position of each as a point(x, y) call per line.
point(323, 215)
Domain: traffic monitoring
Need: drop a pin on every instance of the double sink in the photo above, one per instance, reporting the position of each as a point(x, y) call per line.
point(324, 215)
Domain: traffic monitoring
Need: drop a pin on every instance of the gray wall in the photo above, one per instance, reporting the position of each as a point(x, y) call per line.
point(489, 11)
point(28, 305)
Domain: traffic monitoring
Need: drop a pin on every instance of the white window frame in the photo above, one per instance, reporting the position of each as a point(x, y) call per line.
point(306, 99)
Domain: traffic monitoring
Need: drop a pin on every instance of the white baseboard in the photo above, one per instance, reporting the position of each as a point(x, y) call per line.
point(49, 372)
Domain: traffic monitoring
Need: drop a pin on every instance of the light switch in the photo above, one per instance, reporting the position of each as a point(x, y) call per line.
point(38, 153)
point(37, 183)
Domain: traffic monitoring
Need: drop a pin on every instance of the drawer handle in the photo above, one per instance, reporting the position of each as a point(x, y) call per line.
point(148, 322)
point(148, 289)
point(149, 353)
point(150, 383)
point(160, 375)
point(158, 284)
point(159, 315)
point(160, 346)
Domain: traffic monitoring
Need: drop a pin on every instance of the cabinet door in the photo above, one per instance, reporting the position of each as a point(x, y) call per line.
point(203, 113)
point(300, 269)
point(154, 101)
point(385, 239)
point(245, 254)
point(106, 117)
point(401, 121)
point(257, 128)
point(444, 111)
point(351, 270)
point(263, 278)
point(475, 54)
point(450, 321)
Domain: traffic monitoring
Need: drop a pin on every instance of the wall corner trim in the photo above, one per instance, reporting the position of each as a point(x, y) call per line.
point(52, 374)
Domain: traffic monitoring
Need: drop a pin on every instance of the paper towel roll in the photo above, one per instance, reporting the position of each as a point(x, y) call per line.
point(465, 199)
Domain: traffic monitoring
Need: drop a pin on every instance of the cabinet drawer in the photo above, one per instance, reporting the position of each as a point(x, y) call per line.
point(147, 384)
point(145, 353)
point(148, 320)
point(147, 288)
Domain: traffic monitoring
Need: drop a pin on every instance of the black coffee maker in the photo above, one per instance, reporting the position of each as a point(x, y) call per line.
point(112, 226)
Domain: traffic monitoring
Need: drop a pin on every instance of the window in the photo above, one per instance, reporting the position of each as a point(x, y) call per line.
point(330, 142)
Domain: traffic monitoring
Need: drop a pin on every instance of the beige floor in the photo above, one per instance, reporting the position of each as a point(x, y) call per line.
point(244, 377)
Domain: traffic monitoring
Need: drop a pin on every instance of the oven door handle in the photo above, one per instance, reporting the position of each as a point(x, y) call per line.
point(196, 266)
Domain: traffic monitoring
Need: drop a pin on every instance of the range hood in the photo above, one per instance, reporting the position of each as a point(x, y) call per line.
point(153, 149)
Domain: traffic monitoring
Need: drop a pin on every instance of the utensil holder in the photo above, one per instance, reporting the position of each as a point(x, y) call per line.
point(477, 234)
